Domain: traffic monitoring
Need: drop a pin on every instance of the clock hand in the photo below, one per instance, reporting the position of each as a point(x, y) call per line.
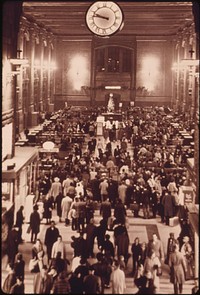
point(100, 16)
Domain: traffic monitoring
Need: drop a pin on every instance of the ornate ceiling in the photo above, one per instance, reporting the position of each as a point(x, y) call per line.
point(140, 18)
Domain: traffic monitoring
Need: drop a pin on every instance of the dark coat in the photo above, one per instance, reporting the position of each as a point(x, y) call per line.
point(79, 245)
point(120, 213)
point(13, 242)
point(48, 207)
point(19, 218)
point(95, 189)
point(136, 251)
point(17, 289)
point(35, 222)
point(108, 248)
point(105, 209)
point(92, 284)
point(19, 268)
point(51, 236)
point(58, 204)
point(76, 284)
point(141, 284)
point(168, 202)
point(122, 243)
point(90, 236)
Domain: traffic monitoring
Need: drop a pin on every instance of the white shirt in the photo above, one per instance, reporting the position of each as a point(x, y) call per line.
point(118, 281)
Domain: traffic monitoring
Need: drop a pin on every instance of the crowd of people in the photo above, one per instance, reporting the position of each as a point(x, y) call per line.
point(132, 167)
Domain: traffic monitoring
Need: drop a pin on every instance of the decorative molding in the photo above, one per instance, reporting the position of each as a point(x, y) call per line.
point(7, 117)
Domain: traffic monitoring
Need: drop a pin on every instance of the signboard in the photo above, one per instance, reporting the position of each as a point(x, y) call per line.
point(188, 195)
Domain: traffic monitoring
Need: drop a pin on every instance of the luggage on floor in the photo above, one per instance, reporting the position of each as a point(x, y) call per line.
point(173, 221)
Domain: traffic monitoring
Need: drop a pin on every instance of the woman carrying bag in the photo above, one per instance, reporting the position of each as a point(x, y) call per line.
point(36, 263)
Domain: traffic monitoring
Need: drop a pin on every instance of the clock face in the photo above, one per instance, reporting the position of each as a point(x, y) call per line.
point(104, 18)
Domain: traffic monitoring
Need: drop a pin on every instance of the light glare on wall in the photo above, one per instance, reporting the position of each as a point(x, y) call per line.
point(150, 72)
point(78, 71)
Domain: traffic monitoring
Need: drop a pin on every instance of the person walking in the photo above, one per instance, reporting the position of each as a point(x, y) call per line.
point(58, 246)
point(56, 188)
point(48, 207)
point(187, 252)
point(177, 269)
point(38, 254)
point(136, 251)
point(170, 246)
point(103, 186)
point(90, 231)
point(12, 246)
point(51, 237)
point(91, 283)
point(66, 205)
point(157, 246)
point(34, 223)
point(19, 266)
point(105, 210)
point(43, 282)
point(118, 279)
point(122, 245)
point(58, 205)
point(119, 212)
point(19, 222)
point(61, 284)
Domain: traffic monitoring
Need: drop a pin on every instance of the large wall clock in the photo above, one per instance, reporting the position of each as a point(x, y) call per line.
point(104, 18)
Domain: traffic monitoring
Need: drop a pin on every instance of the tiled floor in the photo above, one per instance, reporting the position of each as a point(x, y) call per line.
point(137, 227)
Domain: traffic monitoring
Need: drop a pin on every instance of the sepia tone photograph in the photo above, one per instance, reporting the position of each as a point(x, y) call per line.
point(100, 147)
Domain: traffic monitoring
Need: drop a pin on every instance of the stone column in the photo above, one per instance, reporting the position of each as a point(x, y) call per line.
point(42, 39)
point(49, 70)
point(93, 74)
point(32, 68)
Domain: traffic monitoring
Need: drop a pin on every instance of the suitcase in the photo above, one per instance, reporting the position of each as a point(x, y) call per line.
point(173, 221)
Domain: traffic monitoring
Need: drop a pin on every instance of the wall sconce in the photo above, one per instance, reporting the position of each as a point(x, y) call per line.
point(191, 62)
point(19, 61)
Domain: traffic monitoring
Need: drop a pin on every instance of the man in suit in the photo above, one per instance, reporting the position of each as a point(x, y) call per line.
point(156, 245)
point(51, 236)
point(105, 209)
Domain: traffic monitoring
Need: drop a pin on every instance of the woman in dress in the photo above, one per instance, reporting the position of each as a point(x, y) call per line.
point(38, 254)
